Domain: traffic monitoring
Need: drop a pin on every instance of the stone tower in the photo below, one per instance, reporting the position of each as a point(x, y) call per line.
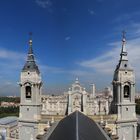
point(30, 100)
point(77, 98)
point(124, 97)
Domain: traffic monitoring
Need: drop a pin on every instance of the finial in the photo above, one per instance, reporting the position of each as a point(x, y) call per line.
point(30, 39)
point(123, 35)
point(123, 51)
point(77, 79)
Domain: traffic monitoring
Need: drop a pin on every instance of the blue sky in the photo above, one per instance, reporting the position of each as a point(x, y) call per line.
point(71, 38)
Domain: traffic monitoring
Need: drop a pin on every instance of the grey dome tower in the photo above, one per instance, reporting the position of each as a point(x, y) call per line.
point(30, 100)
point(124, 97)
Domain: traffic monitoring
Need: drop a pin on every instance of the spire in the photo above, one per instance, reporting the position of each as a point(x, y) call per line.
point(123, 52)
point(30, 64)
point(77, 80)
point(30, 56)
point(123, 62)
point(30, 44)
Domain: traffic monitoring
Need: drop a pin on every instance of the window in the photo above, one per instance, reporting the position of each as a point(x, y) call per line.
point(126, 91)
point(77, 88)
point(28, 92)
point(125, 65)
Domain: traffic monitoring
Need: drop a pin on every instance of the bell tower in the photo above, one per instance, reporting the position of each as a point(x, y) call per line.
point(30, 100)
point(124, 97)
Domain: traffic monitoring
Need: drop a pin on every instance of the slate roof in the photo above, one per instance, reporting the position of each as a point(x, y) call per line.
point(11, 121)
point(123, 62)
point(30, 64)
point(77, 126)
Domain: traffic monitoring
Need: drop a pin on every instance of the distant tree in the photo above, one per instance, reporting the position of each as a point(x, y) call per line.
point(9, 111)
point(10, 99)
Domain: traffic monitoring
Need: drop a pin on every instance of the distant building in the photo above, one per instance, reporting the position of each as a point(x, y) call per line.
point(77, 98)
point(9, 104)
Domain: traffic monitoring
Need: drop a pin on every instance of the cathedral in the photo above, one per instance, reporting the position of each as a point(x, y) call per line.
point(77, 98)
point(85, 114)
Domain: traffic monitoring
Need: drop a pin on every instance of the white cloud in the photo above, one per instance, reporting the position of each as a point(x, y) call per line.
point(105, 64)
point(46, 4)
point(102, 64)
point(78, 73)
point(50, 69)
point(11, 55)
point(10, 60)
point(129, 23)
point(67, 38)
point(91, 12)
point(10, 65)
point(127, 17)
point(9, 88)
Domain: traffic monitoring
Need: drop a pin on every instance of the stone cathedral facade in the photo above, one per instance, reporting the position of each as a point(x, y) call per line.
point(77, 98)
point(34, 105)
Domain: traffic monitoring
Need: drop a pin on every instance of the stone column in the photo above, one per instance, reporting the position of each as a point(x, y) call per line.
point(118, 96)
point(135, 131)
point(93, 90)
point(84, 101)
point(107, 107)
point(132, 93)
point(69, 102)
point(122, 90)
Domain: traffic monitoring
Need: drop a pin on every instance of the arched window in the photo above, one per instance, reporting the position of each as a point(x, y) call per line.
point(76, 88)
point(28, 92)
point(126, 91)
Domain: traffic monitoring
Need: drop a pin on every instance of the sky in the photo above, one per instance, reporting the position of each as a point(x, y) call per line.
point(71, 38)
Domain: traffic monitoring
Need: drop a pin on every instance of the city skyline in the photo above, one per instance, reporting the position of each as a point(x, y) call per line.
point(70, 39)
